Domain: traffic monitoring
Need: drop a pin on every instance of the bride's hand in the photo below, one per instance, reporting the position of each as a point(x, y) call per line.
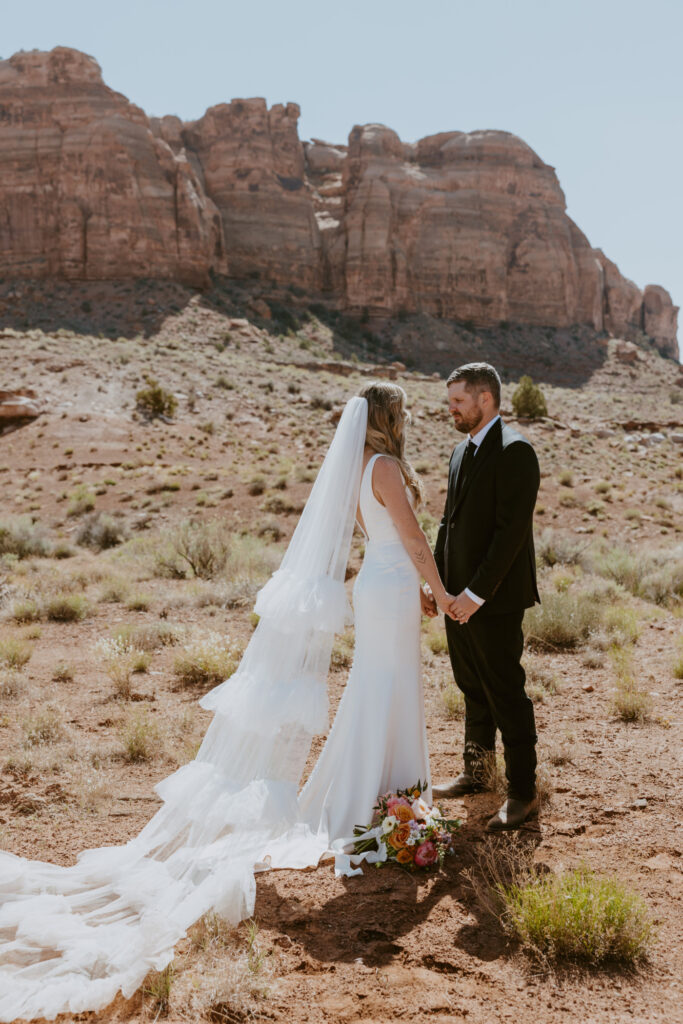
point(427, 602)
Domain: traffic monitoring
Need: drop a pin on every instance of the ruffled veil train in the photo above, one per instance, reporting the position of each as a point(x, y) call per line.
point(72, 937)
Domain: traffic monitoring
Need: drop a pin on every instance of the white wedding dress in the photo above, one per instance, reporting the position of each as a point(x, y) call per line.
point(72, 937)
point(378, 740)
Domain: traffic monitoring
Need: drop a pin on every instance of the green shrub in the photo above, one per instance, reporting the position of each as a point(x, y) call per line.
point(342, 651)
point(140, 736)
point(528, 401)
point(578, 915)
point(26, 611)
point(154, 401)
point(63, 607)
point(200, 547)
point(14, 652)
point(656, 576)
point(575, 915)
point(22, 537)
point(150, 637)
point(62, 672)
point(101, 531)
point(138, 602)
point(621, 624)
point(553, 548)
point(437, 643)
point(81, 500)
point(563, 619)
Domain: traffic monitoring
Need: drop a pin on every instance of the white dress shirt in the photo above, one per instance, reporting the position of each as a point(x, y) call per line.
point(476, 441)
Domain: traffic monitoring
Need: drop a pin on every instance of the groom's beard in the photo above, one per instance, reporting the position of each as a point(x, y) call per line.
point(466, 423)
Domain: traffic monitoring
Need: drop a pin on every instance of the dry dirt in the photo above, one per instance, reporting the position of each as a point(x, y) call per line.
point(385, 946)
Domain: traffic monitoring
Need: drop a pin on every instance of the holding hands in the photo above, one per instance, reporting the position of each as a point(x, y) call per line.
point(459, 608)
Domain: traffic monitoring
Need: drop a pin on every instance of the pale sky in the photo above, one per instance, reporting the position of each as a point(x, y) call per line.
point(594, 86)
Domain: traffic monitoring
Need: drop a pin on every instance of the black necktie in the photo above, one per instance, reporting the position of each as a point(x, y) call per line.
point(465, 466)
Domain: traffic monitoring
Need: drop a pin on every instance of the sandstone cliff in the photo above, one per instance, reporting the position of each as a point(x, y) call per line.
point(87, 190)
point(464, 226)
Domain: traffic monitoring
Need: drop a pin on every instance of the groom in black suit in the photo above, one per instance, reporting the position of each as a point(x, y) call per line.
point(485, 554)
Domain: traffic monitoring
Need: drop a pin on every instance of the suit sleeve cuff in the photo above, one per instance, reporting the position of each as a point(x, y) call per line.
point(473, 597)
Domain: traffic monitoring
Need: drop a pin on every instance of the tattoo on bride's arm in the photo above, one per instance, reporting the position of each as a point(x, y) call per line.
point(420, 556)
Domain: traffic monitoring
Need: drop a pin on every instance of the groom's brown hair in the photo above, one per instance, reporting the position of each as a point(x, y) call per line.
point(478, 377)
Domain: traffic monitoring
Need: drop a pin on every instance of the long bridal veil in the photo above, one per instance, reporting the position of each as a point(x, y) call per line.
point(72, 937)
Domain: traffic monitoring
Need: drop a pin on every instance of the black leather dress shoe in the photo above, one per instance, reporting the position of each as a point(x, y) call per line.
point(512, 814)
point(464, 784)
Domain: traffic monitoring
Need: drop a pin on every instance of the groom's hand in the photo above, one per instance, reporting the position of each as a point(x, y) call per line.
point(463, 607)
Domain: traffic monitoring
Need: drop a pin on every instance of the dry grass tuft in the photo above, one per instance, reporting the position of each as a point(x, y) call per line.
point(208, 658)
point(453, 701)
point(237, 974)
point(14, 652)
point(121, 660)
point(630, 702)
point(45, 726)
point(12, 684)
point(140, 736)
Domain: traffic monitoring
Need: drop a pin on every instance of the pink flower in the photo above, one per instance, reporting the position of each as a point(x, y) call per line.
point(425, 854)
point(397, 801)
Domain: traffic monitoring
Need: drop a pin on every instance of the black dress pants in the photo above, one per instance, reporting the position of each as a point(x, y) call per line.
point(485, 654)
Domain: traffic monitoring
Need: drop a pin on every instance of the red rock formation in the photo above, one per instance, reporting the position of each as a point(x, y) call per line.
point(473, 226)
point(253, 168)
point(88, 191)
point(468, 226)
point(660, 318)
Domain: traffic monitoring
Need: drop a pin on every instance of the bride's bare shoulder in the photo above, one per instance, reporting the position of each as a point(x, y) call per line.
point(386, 474)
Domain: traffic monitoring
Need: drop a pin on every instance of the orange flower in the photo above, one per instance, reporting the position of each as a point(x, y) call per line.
point(416, 793)
point(405, 855)
point(399, 836)
point(403, 813)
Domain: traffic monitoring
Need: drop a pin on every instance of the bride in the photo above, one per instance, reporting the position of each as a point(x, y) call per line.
point(72, 937)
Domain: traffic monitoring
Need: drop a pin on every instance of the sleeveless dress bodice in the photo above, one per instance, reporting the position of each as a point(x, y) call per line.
point(379, 526)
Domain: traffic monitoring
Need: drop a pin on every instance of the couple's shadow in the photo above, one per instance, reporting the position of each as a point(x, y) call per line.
point(382, 908)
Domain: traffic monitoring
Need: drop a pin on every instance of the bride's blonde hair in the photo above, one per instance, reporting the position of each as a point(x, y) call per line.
point(387, 418)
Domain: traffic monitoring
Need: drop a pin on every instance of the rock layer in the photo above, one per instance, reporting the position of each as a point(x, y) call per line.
point(87, 190)
point(464, 226)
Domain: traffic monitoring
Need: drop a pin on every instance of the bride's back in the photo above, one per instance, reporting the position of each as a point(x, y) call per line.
point(379, 526)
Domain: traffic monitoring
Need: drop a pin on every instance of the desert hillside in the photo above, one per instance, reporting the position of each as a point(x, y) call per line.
point(131, 549)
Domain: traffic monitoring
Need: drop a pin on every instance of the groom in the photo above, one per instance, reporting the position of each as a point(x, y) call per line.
point(485, 554)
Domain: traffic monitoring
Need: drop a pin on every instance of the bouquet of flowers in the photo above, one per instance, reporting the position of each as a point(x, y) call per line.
point(405, 829)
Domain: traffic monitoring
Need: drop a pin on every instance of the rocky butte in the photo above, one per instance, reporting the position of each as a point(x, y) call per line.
point(463, 226)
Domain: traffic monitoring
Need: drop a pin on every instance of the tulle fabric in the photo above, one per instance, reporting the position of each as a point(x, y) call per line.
point(72, 937)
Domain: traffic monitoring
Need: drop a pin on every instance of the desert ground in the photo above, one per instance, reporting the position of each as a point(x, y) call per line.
point(95, 505)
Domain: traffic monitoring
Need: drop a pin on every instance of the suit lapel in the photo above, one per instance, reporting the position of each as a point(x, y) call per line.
point(457, 465)
point(491, 443)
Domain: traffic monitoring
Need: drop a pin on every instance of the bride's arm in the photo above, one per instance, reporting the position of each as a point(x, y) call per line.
point(389, 488)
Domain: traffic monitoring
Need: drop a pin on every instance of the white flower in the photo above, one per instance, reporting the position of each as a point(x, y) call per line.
point(419, 808)
point(389, 823)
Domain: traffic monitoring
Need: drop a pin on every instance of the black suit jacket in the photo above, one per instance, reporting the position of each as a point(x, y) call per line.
point(485, 540)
